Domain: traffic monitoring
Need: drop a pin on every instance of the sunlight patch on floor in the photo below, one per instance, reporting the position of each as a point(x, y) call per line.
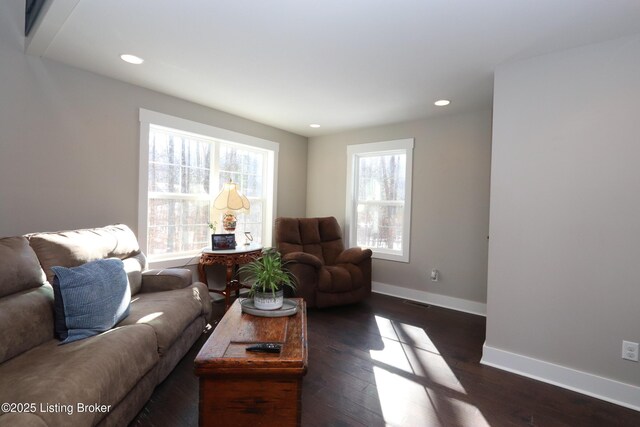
point(406, 362)
point(405, 333)
point(393, 354)
point(404, 402)
point(410, 349)
point(465, 413)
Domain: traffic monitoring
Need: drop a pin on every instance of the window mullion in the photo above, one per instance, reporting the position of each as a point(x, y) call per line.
point(178, 196)
point(381, 202)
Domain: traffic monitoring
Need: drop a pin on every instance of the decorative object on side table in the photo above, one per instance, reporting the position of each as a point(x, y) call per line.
point(268, 275)
point(249, 238)
point(223, 241)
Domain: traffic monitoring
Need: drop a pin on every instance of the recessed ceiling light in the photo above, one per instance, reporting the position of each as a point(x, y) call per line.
point(442, 102)
point(314, 125)
point(132, 59)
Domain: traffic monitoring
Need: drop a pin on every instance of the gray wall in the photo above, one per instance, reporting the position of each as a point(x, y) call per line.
point(450, 212)
point(564, 269)
point(69, 142)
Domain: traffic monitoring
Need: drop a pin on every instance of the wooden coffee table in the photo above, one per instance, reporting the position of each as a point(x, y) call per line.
point(240, 388)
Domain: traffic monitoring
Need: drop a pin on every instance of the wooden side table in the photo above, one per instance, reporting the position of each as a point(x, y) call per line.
point(241, 388)
point(231, 258)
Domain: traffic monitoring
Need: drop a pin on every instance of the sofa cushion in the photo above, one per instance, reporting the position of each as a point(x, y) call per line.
point(102, 369)
point(77, 247)
point(27, 321)
point(22, 419)
point(90, 299)
point(19, 266)
point(169, 312)
point(134, 266)
point(166, 279)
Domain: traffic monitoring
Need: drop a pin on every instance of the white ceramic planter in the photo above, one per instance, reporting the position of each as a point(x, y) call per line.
point(267, 300)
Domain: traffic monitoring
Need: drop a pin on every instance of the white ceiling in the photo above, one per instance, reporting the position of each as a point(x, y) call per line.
point(341, 63)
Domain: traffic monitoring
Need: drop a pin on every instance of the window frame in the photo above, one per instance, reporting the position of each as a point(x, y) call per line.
point(354, 152)
point(264, 200)
point(150, 118)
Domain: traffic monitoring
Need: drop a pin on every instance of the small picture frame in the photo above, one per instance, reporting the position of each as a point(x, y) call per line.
point(221, 242)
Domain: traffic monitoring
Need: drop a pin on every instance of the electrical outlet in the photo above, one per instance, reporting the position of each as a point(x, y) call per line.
point(630, 350)
point(435, 275)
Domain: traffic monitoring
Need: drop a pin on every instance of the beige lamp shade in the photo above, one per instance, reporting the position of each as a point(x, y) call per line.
point(230, 199)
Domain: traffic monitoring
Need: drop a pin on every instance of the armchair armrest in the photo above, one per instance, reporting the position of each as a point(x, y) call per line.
point(165, 279)
point(302, 258)
point(353, 256)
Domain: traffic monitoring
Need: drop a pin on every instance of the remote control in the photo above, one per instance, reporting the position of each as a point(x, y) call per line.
point(265, 348)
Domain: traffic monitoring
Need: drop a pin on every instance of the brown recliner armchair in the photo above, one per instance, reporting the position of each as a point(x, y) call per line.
point(327, 274)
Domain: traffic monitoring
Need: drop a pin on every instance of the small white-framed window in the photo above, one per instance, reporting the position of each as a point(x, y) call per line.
point(378, 214)
point(183, 165)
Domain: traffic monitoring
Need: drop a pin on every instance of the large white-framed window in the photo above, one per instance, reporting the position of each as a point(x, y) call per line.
point(378, 214)
point(183, 165)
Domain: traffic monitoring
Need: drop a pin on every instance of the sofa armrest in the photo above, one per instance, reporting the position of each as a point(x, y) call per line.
point(353, 256)
point(302, 258)
point(165, 279)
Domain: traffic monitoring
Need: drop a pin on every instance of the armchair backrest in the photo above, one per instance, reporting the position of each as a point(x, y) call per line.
point(321, 237)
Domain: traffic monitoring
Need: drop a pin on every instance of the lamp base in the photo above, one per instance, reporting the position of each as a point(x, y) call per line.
point(229, 222)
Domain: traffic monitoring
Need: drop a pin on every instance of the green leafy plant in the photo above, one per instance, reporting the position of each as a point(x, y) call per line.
point(268, 273)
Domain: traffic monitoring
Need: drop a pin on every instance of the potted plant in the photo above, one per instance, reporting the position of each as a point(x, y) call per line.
point(268, 275)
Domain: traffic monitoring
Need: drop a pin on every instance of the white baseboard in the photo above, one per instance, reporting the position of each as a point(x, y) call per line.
point(458, 304)
point(582, 382)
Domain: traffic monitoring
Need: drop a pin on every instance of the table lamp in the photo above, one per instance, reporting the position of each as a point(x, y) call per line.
point(231, 202)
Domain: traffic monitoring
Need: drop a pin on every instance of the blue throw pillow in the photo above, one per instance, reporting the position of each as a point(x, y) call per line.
point(90, 299)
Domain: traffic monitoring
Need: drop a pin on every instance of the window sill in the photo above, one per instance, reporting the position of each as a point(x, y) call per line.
point(390, 257)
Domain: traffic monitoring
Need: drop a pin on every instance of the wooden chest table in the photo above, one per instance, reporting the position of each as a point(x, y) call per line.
point(240, 388)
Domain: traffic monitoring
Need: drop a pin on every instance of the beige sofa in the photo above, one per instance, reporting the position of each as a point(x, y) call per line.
point(103, 380)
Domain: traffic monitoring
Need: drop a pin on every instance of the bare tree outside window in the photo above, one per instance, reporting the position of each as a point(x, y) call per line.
point(379, 197)
point(380, 200)
point(181, 170)
point(178, 193)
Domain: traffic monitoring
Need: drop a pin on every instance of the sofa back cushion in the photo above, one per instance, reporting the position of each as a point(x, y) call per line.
point(320, 237)
point(134, 266)
point(19, 266)
point(77, 247)
point(26, 303)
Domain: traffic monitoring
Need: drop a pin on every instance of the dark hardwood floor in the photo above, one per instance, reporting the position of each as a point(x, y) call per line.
point(392, 362)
